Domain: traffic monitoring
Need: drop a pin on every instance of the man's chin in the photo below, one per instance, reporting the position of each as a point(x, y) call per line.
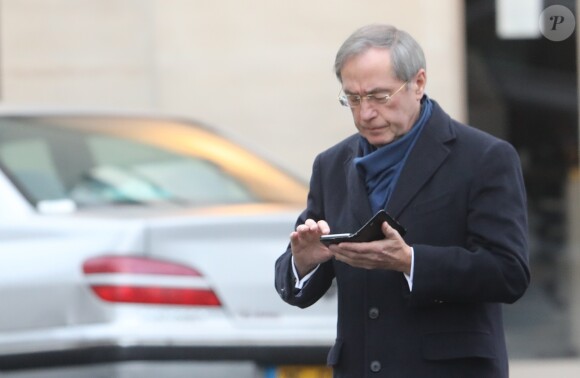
point(378, 140)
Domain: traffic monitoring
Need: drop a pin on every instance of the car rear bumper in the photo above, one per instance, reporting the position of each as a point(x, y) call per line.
point(261, 356)
point(149, 369)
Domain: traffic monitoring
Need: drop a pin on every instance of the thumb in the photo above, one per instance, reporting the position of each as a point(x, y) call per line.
point(389, 231)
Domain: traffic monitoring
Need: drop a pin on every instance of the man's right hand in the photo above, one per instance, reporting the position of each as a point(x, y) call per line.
point(307, 250)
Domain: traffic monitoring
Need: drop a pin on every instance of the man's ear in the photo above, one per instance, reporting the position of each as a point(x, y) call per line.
point(420, 83)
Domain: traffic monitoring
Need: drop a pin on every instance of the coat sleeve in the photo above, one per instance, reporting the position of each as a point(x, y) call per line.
point(321, 280)
point(492, 266)
point(313, 289)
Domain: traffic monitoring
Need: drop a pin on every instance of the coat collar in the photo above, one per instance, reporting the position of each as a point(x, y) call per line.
point(427, 156)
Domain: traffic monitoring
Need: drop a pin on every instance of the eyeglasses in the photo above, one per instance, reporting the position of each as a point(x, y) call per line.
point(379, 98)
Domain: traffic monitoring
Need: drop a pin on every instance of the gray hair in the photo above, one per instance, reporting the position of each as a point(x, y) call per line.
point(407, 55)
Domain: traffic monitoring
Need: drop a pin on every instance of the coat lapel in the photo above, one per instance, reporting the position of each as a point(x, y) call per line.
point(357, 192)
point(428, 154)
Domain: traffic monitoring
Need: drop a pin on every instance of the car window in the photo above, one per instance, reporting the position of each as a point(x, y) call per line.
point(30, 163)
point(126, 171)
point(103, 161)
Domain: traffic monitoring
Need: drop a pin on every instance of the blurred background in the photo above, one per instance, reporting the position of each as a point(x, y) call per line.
point(262, 71)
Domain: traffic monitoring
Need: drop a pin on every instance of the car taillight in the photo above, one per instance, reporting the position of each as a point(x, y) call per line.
point(132, 279)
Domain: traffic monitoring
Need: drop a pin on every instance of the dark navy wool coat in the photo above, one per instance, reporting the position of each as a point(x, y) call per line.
point(461, 197)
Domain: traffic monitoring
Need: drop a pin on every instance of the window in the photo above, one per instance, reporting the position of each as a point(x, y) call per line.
point(102, 161)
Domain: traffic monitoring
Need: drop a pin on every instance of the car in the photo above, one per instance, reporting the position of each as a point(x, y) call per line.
point(144, 245)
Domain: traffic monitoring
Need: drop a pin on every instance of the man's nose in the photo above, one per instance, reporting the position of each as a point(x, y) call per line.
point(367, 110)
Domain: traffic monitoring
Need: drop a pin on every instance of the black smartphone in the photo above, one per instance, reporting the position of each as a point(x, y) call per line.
point(370, 231)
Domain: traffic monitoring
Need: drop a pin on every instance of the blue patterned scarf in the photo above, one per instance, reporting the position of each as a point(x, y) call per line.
point(381, 167)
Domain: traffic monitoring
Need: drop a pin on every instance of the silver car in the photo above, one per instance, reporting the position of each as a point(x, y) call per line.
point(139, 246)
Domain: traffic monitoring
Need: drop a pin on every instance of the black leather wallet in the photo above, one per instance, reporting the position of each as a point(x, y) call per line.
point(370, 231)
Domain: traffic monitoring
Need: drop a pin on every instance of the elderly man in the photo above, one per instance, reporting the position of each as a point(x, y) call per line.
point(427, 304)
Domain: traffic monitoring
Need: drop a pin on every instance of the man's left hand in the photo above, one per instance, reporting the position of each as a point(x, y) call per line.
point(390, 253)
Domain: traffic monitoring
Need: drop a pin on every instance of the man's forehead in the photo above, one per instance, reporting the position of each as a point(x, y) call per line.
point(372, 61)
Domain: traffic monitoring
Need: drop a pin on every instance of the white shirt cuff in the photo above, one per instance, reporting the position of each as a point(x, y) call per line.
point(300, 282)
point(410, 277)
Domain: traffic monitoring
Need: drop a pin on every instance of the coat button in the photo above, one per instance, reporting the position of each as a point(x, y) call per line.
point(373, 313)
point(375, 366)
